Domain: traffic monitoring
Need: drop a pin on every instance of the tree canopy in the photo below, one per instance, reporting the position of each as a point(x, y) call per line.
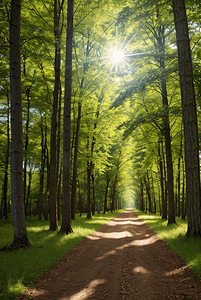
point(102, 113)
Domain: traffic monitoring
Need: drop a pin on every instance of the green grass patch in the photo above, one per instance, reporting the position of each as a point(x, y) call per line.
point(189, 248)
point(20, 267)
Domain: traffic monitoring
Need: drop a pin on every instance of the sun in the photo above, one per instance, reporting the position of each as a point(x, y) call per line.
point(117, 56)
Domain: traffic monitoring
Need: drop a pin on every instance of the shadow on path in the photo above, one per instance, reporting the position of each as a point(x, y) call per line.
point(124, 259)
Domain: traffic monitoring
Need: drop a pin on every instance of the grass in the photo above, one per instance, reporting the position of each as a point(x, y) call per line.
point(189, 248)
point(20, 267)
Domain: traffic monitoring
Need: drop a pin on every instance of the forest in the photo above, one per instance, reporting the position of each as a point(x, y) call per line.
point(100, 110)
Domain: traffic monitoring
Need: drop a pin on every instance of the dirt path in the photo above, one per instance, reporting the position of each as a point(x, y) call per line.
point(124, 259)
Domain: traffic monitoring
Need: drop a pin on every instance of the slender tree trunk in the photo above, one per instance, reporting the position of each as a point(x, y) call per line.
point(74, 181)
point(59, 194)
point(113, 194)
point(58, 174)
point(164, 205)
point(93, 194)
point(88, 190)
point(3, 211)
point(141, 195)
point(28, 194)
point(183, 205)
point(66, 219)
point(20, 232)
point(147, 184)
point(48, 176)
point(53, 145)
point(106, 192)
point(176, 199)
point(154, 197)
point(179, 176)
point(26, 134)
point(42, 170)
point(165, 182)
point(189, 112)
point(170, 183)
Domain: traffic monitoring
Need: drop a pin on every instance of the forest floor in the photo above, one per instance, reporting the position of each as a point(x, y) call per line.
point(124, 260)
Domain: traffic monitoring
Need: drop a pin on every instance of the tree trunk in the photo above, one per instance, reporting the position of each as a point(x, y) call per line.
point(154, 197)
point(48, 176)
point(88, 190)
point(189, 113)
point(164, 205)
point(74, 181)
point(20, 232)
point(3, 211)
point(141, 195)
point(66, 219)
point(183, 205)
point(93, 194)
point(53, 145)
point(147, 184)
point(179, 177)
point(106, 192)
point(59, 195)
point(28, 193)
point(42, 170)
point(113, 194)
point(170, 183)
point(165, 182)
point(58, 174)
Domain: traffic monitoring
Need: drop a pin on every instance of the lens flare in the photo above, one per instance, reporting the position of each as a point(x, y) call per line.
point(117, 56)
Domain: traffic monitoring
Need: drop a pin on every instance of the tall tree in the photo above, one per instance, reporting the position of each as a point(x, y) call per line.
point(58, 8)
point(20, 232)
point(189, 113)
point(66, 219)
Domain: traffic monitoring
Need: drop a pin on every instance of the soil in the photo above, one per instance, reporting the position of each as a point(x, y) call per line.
point(122, 260)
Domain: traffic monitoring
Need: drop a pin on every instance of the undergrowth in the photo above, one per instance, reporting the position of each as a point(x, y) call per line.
point(189, 248)
point(20, 267)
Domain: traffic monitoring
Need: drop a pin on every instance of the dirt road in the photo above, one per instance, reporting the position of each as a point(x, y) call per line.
point(124, 259)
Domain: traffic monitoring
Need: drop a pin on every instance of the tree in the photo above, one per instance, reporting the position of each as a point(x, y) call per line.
point(20, 232)
point(66, 224)
point(58, 7)
point(189, 113)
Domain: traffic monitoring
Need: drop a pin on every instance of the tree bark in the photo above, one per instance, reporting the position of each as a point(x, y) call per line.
point(20, 232)
point(106, 192)
point(179, 177)
point(3, 211)
point(170, 182)
point(43, 157)
point(28, 193)
point(141, 195)
point(66, 219)
point(48, 175)
point(88, 190)
point(189, 113)
point(183, 204)
point(164, 205)
point(93, 192)
point(147, 184)
point(53, 148)
point(113, 194)
point(74, 181)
